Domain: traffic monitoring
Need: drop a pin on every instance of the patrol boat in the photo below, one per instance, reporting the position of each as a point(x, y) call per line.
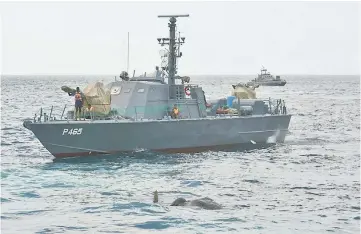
point(266, 79)
point(141, 117)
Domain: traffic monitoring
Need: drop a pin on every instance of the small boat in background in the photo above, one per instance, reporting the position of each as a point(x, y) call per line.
point(266, 79)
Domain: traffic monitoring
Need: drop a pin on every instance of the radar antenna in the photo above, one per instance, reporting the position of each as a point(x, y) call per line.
point(174, 46)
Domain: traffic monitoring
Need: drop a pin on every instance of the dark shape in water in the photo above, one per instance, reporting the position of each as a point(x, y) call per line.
point(204, 203)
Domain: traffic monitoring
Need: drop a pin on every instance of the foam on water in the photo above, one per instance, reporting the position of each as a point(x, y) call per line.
point(309, 184)
point(273, 138)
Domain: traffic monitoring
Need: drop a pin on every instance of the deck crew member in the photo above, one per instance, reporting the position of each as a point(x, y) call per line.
point(175, 112)
point(284, 109)
point(78, 103)
point(277, 107)
point(89, 112)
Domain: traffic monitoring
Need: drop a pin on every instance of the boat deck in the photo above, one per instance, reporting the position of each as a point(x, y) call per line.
point(104, 121)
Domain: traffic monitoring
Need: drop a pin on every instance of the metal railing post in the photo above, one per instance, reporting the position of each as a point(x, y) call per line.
point(63, 112)
point(51, 111)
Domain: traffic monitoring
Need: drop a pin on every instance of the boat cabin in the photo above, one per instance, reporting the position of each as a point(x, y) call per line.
point(148, 98)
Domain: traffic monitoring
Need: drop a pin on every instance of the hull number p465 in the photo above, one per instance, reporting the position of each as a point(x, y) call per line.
point(72, 131)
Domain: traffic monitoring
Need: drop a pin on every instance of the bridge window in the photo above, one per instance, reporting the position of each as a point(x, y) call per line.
point(115, 90)
point(127, 90)
point(140, 90)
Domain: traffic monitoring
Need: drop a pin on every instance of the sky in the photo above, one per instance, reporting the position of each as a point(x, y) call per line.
point(221, 37)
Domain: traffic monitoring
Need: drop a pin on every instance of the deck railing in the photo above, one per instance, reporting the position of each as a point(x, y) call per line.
point(277, 106)
point(54, 113)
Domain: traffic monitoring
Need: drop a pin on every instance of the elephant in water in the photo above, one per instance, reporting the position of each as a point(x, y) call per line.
point(205, 202)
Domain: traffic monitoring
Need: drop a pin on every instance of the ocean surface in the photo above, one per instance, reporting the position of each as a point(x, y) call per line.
point(309, 184)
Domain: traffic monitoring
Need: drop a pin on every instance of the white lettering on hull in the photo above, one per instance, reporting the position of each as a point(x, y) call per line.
point(72, 131)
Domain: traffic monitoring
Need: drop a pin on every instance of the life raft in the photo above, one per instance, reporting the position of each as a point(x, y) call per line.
point(187, 90)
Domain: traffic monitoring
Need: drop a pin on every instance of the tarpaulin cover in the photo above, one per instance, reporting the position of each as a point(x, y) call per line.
point(98, 96)
point(243, 92)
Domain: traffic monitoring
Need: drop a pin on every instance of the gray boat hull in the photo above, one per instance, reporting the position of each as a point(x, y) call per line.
point(268, 83)
point(65, 139)
point(283, 83)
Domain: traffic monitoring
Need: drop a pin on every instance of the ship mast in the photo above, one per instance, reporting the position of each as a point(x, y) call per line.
point(173, 46)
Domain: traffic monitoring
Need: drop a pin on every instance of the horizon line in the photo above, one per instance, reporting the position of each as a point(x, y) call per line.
point(96, 74)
